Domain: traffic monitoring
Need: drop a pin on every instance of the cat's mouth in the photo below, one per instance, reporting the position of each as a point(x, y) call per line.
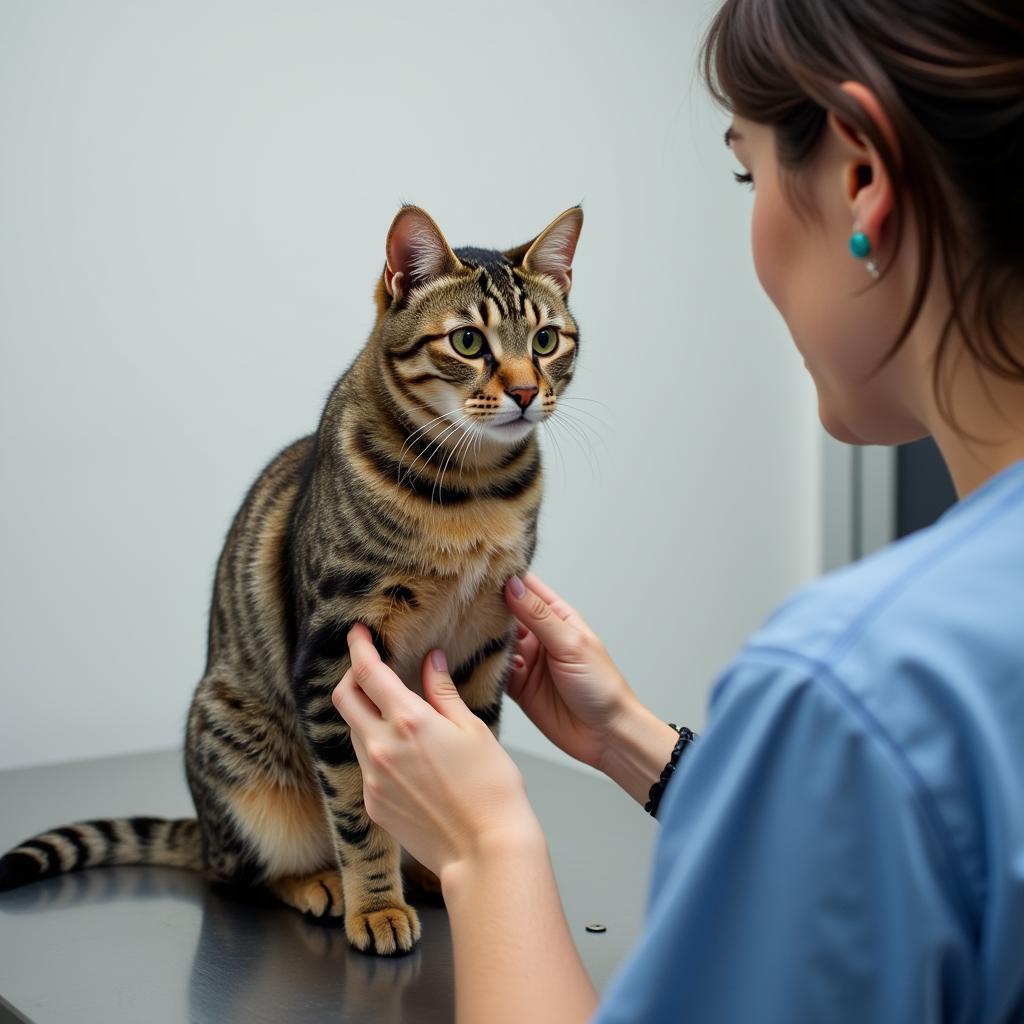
point(511, 421)
point(512, 429)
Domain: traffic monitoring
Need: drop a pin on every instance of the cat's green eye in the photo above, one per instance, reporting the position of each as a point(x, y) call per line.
point(467, 341)
point(545, 341)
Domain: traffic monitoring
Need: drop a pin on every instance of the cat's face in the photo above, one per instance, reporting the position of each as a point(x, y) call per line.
point(480, 342)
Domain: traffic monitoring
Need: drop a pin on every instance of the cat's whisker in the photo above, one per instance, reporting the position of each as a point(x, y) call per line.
point(591, 466)
point(581, 398)
point(425, 426)
point(474, 449)
point(463, 445)
point(438, 482)
point(474, 432)
point(431, 449)
point(583, 412)
point(578, 427)
point(576, 433)
point(568, 411)
point(408, 441)
point(444, 437)
point(570, 416)
point(476, 454)
point(558, 449)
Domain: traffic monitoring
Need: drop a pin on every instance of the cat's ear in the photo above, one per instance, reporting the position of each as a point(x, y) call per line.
point(551, 252)
point(417, 252)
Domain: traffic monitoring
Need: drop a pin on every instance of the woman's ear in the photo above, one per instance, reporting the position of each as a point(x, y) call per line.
point(867, 186)
point(417, 253)
point(551, 252)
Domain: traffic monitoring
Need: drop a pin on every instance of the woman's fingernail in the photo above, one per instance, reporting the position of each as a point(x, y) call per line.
point(516, 586)
point(518, 662)
point(439, 661)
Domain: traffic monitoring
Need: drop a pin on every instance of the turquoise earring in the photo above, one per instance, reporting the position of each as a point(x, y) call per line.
point(860, 246)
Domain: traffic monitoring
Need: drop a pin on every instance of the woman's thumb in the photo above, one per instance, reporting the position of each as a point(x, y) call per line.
point(438, 688)
point(541, 618)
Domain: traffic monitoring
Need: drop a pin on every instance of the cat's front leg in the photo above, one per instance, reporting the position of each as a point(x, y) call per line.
point(377, 918)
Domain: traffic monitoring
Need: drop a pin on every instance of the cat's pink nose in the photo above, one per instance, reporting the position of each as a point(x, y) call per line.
point(523, 394)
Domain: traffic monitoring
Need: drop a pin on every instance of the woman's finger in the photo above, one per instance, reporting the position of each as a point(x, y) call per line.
point(354, 706)
point(518, 673)
point(440, 691)
point(524, 657)
point(558, 604)
point(525, 666)
point(527, 647)
point(376, 680)
point(546, 621)
point(360, 748)
point(538, 586)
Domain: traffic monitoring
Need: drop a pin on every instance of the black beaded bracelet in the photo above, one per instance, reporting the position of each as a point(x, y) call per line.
point(686, 737)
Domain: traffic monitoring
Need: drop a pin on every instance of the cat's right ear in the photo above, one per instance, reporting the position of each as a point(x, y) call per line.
point(417, 253)
point(551, 252)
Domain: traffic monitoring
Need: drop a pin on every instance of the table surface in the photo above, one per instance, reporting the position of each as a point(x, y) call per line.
point(157, 944)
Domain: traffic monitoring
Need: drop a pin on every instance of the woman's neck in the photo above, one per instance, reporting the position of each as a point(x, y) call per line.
point(982, 431)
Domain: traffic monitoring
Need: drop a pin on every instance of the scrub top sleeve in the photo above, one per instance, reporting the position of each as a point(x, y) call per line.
point(799, 874)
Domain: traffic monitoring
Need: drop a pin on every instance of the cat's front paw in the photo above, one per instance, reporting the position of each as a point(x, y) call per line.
point(384, 932)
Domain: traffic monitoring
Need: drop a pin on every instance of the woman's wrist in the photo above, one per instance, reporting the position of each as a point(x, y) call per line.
point(517, 837)
point(508, 925)
point(638, 747)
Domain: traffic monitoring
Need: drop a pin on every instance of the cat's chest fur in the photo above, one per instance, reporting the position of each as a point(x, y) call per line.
point(458, 613)
point(421, 564)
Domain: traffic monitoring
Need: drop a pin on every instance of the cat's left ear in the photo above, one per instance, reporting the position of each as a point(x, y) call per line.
point(551, 252)
point(417, 252)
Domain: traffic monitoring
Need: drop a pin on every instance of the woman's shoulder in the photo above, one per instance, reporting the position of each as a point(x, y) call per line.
point(954, 590)
point(921, 646)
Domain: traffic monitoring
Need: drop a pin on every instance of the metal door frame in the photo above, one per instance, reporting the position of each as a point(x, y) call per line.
point(859, 501)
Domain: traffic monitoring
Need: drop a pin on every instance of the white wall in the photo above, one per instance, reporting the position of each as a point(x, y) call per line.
point(193, 204)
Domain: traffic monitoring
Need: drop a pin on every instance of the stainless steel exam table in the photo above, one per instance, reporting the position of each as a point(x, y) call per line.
point(147, 945)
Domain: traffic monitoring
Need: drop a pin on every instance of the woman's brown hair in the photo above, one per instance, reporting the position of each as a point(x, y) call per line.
point(950, 76)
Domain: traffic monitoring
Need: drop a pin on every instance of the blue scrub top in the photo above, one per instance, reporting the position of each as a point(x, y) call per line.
point(846, 840)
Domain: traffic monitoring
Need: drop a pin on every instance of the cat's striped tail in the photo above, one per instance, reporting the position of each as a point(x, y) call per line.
point(89, 844)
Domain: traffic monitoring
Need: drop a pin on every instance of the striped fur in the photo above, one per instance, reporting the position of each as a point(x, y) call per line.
point(89, 844)
point(407, 510)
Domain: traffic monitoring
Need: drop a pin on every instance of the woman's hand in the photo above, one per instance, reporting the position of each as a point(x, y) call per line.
point(434, 776)
point(562, 676)
point(569, 687)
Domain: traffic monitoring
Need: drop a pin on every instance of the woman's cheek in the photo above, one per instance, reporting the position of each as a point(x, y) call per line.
point(776, 246)
point(768, 253)
point(790, 270)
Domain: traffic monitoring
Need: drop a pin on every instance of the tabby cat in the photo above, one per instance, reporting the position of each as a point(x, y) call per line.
point(407, 510)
